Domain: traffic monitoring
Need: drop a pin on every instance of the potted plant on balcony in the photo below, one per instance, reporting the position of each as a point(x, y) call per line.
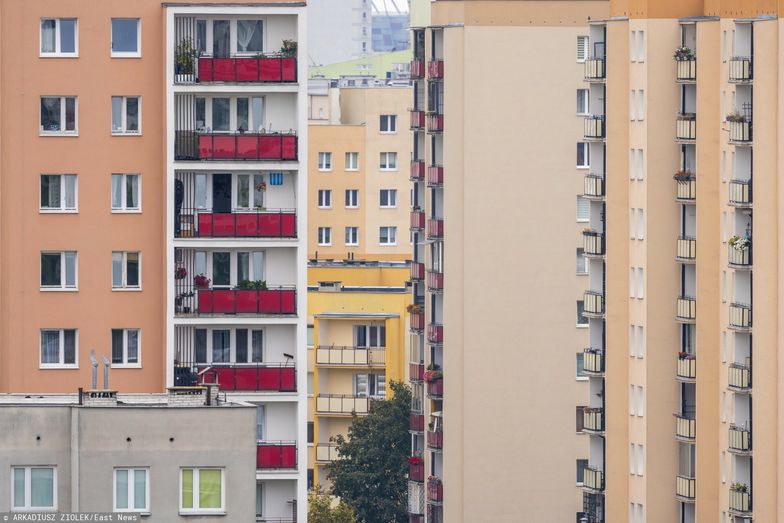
point(740, 487)
point(590, 231)
point(415, 460)
point(740, 243)
point(252, 285)
point(683, 174)
point(413, 308)
point(736, 117)
point(433, 373)
point(683, 54)
point(685, 356)
point(201, 281)
point(184, 57)
point(180, 273)
point(289, 48)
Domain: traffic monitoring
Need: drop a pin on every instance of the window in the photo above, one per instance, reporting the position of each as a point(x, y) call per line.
point(34, 488)
point(126, 37)
point(59, 37)
point(632, 223)
point(632, 164)
point(632, 105)
point(640, 341)
point(639, 513)
point(201, 490)
point(641, 104)
point(579, 418)
point(325, 161)
point(311, 436)
point(325, 198)
point(583, 157)
point(631, 400)
point(126, 115)
point(58, 192)
point(640, 460)
point(640, 224)
point(387, 235)
point(582, 101)
point(388, 162)
point(640, 283)
point(325, 235)
point(582, 261)
point(126, 270)
point(126, 193)
point(249, 197)
point(388, 123)
point(631, 340)
point(640, 401)
point(640, 46)
point(583, 209)
point(352, 236)
point(640, 164)
point(582, 464)
point(633, 46)
point(352, 198)
point(58, 115)
point(370, 385)
point(582, 48)
point(352, 161)
point(58, 347)
point(131, 490)
point(249, 36)
point(126, 347)
point(59, 270)
point(388, 198)
point(632, 457)
point(632, 282)
point(581, 319)
point(579, 359)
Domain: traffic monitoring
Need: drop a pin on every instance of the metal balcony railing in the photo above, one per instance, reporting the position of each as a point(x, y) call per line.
point(687, 367)
point(193, 300)
point(593, 420)
point(740, 193)
point(593, 361)
point(593, 186)
point(239, 223)
point(327, 355)
point(593, 479)
point(344, 403)
point(686, 309)
point(739, 377)
point(235, 146)
point(739, 439)
point(740, 499)
point(686, 70)
point(739, 258)
point(593, 303)
point(685, 489)
point(740, 316)
point(594, 69)
point(685, 428)
point(740, 69)
point(276, 455)
point(686, 126)
point(686, 188)
point(686, 251)
point(256, 377)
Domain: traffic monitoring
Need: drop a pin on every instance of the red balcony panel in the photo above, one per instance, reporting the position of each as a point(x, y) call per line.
point(230, 301)
point(277, 225)
point(273, 378)
point(435, 175)
point(277, 301)
point(288, 379)
point(417, 271)
point(205, 146)
point(205, 69)
point(416, 518)
point(225, 377)
point(435, 68)
point(246, 225)
point(253, 377)
point(417, 119)
point(245, 378)
point(269, 69)
point(276, 456)
point(435, 439)
point(416, 422)
point(289, 148)
point(435, 333)
point(417, 170)
point(205, 301)
point(435, 122)
point(289, 456)
point(417, 68)
point(418, 321)
point(224, 147)
point(435, 280)
point(436, 388)
point(417, 219)
point(289, 69)
point(247, 69)
point(205, 224)
point(222, 69)
point(222, 225)
point(435, 490)
point(263, 224)
point(435, 228)
point(416, 371)
point(416, 472)
point(270, 147)
point(247, 301)
point(247, 147)
point(223, 301)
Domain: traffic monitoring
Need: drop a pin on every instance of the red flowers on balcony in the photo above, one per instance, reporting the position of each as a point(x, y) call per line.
point(276, 455)
point(248, 69)
point(416, 469)
point(242, 301)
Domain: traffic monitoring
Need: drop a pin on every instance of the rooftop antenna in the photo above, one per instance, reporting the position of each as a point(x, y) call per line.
point(105, 372)
point(94, 363)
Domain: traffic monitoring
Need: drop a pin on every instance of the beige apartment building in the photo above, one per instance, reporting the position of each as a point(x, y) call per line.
point(358, 186)
point(498, 333)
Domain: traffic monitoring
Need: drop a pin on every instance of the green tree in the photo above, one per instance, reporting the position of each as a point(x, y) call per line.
point(322, 510)
point(371, 475)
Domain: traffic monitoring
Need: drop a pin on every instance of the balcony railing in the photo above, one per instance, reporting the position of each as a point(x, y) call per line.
point(416, 371)
point(343, 404)
point(435, 175)
point(243, 146)
point(435, 490)
point(740, 193)
point(740, 316)
point(685, 428)
point(416, 472)
point(739, 258)
point(416, 422)
point(418, 321)
point(435, 439)
point(327, 452)
point(435, 68)
point(594, 69)
point(417, 119)
point(417, 220)
point(273, 301)
point(593, 186)
point(435, 228)
point(435, 281)
point(739, 439)
point(686, 189)
point(417, 69)
point(740, 131)
point(686, 126)
point(593, 420)
point(593, 303)
point(240, 223)
point(435, 122)
point(687, 367)
point(435, 333)
point(416, 502)
point(417, 171)
point(687, 249)
point(273, 68)
point(350, 356)
point(276, 455)
point(435, 388)
point(686, 70)
point(593, 243)
point(593, 127)
point(256, 377)
point(740, 69)
point(593, 361)
point(593, 507)
point(685, 488)
point(686, 309)
point(740, 499)
point(739, 377)
point(417, 271)
point(593, 479)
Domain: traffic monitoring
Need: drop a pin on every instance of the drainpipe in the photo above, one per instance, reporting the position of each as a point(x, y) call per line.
point(75, 458)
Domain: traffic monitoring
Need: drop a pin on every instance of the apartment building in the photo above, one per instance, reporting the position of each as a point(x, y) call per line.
point(682, 99)
point(357, 312)
point(358, 192)
point(339, 30)
point(498, 333)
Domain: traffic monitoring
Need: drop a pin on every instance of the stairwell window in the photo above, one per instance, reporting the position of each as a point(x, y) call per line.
point(58, 116)
point(59, 348)
point(583, 155)
point(582, 321)
point(59, 38)
point(388, 161)
point(126, 193)
point(58, 193)
point(126, 348)
point(126, 270)
point(34, 489)
point(582, 102)
point(132, 490)
point(202, 491)
point(387, 236)
point(126, 115)
point(59, 271)
point(126, 38)
point(583, 209)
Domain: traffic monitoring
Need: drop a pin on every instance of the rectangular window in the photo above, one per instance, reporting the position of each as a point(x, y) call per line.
point(640, 401)
point(724, 226)
point(58, 115)
point(582, 101)
point(640, 460)
point(126, 270)
point(325, 235)
point(352, 236)
point(387, 235)
point(126, 193)
point(59, 37)
point(632, 105)
point(579, 418)
point(581, 319)
point(388, 198)
point(641, 104)
point(632, 164)
point(582, 261)
point(58, 347)
point(132, 490)
point(633, 46)
point(632, 223)
point(640, 224)
point(579, 361)
point(632, 282)
point(126, 347)
point(59, 270)
point(582, 48)
point(583, 209)
point(126, 115)
point(324, 161)
point(388, 162)
point(723, 166)
point(352, 161)
point(370, 385)
point(126, 37)
point(325, 198)
point(58, 193)
point(221, 118)
point(632, 340)
point(640, 283)
point(249, 36)
point(632, 458)
point(582, 464)
point(201, 491)
point(583, 156)
point(640, 46)
point(640, 341)
point(640, 164)
point(631, 400)
point(388, 123)
point(639, 513)
point(34, 488)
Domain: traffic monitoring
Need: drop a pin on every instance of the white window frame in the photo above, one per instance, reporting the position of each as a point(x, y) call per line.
point(209, 31)
point(355, 231)
point(384, 161)
point(640, 46)
point(124, 194)
point(584, 270)
point(61, 364)
point(391, 197)
point(126, 54)
point(353, 192)
point(325, 236)
point(324, 198)
point(391, 121)
point(124, 116)
point(124, 287)
point(57, 43)
point(28, 489)
point(125, 364)
point(352, 161)
point(324, 161)
point(586, 156)
point(131, 490)
point(390, 228)
point(62, 132)
point(233, 126)
point(586, 105)
point(195, 509)
point(63, 286)
point(585, 48)
point(233, 359)
point(585, 203)
point(577, 357)
point(62, 209)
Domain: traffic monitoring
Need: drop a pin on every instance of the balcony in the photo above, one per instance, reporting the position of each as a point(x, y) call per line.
point(593, 479)
point(416, 422)
point(593, 187)
point(593, 304)
point(685, 489)
point(435, 175)
point(276, 455)
point(416, 502)
point(435, 386)
point(435, 228)
point(593, 243)
point(416, 469)
point(740, 193)
point(269, 301)
point(435, 490)
point(593, 420)
point(593, 362)
point(740, 316)
point(250, 377)
point(416, 371)
point(594, 70)
point(686, 309)
point(685, 428)
point(686, 187)
point(739, 258)
point(593, 507)
point(435, 333)
point(686, 70)
point(739, 377)
point(231, 146)
point(336, 356)
point(435, 281)
point(686, 127)
point(417, 171)
point(418, 321)
point(593, 127)
point(740, 129)
point(417, 220)
point(435, 122)
point(417, 119)
point(326, 452)
point(240, 223)
point(740, 69)
point(272, 68)
point(686, 251)
point(740, 499)
point(343, 404)
point(417, 69)
point(739, 439)
point(417, 271)
point(435, 439)
point(687, 367)
point(435, 69)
